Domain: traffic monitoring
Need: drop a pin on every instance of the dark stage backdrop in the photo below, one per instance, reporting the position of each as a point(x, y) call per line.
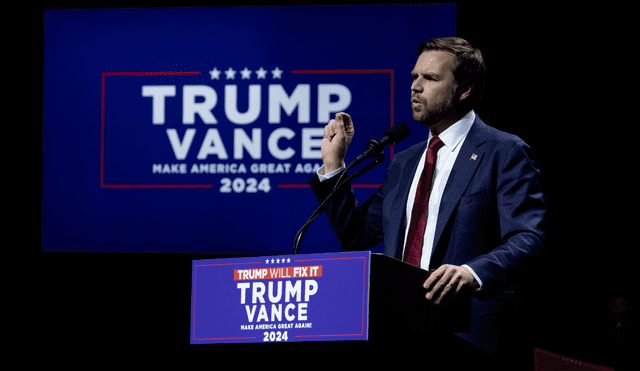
point(153, 156)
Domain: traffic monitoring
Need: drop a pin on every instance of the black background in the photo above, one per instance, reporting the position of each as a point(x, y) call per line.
point(552, 79)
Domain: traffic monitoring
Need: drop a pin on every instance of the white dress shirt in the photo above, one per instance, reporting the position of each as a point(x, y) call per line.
point(453, 138)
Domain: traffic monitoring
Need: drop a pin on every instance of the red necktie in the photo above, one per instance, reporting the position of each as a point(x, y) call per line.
point(415, 237)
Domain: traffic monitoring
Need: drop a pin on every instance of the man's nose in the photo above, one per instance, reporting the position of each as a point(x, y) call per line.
point(415, 87)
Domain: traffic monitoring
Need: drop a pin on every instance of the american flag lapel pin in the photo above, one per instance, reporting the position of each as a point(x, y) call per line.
point(474, 157)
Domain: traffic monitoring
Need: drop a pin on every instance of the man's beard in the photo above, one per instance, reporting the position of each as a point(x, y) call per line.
point(429, 116)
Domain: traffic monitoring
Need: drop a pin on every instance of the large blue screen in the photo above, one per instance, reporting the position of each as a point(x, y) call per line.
point(197, 129)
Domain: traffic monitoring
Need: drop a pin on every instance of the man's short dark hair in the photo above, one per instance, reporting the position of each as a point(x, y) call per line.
point(470, 70)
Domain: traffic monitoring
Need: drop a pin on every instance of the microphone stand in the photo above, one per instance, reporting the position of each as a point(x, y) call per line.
point(318, 211)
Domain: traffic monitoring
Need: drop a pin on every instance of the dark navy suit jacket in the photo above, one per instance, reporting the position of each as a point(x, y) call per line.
point(492, 218)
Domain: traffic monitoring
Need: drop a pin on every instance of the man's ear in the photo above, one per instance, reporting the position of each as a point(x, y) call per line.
point(465, 92)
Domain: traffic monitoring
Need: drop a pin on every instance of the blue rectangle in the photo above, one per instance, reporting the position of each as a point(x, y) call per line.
point(288, 298)
point(197, 129)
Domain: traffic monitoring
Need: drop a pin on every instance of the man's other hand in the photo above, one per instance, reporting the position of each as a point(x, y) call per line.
point(447, 281)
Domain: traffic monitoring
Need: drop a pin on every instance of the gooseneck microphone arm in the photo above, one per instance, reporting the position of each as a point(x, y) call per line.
point(318, 211)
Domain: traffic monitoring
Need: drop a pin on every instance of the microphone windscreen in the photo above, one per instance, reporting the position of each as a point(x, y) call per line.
point(397, 133)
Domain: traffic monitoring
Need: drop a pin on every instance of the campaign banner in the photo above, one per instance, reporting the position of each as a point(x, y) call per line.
point(288, 298)
point(197, 130)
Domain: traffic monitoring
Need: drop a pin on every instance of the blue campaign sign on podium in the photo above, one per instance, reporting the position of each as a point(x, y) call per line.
point(288, 298)
point(197, 129)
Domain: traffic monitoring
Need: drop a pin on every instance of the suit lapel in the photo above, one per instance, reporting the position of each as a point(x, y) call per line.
point(464, 168)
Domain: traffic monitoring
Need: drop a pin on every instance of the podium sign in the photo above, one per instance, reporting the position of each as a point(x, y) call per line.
point(314, 297)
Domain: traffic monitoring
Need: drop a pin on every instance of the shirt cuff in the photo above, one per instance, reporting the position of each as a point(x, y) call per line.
point(474, 275)
point(324, 177)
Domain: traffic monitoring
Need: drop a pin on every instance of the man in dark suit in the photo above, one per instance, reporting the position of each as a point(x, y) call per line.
point(466, 202)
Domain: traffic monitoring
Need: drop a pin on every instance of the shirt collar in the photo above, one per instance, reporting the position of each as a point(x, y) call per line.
point(455, 133)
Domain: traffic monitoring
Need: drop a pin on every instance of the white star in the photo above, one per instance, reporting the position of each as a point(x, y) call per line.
point(278, 261)
point(246, 73)
point(271, 261)
point(262, 73)
point(288, 260)
point(277, 73)
point(215, 74)
point(231, 74)
point(267, 261)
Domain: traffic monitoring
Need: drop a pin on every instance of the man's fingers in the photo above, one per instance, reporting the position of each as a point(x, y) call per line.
point(452, 287)
point(435, 277)
point(335, 128)
point(347, 125)
point(444, 284)
point(328, 130)
point(336, 141)
point(339, 126)
point(436, 282)
point(334, 144)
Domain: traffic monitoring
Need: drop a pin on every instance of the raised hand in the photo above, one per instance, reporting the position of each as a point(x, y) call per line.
point(337, 137)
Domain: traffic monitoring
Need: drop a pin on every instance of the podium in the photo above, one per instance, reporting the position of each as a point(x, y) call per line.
point(398, 304)
point(315, 297)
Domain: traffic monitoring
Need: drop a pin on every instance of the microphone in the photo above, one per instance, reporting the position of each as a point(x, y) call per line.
point(394, 135)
